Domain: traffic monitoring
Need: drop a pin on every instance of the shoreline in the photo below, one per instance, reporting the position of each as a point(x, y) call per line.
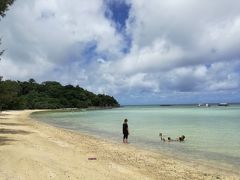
point(200, 160)
point(31, 149)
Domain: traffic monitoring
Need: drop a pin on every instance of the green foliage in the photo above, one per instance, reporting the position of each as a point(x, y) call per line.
point(49, 95)
point(9, 91)
point(4, 5)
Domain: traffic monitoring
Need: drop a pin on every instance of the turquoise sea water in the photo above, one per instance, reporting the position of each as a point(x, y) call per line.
point(212, 134)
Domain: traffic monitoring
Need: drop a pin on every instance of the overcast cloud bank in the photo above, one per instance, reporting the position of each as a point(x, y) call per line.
point(170, 51)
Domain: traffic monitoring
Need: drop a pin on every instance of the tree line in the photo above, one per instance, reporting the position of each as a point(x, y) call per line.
point(47, 95)
point(16, 95)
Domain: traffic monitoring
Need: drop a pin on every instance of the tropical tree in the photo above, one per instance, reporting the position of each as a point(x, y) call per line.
point(4, 5)
point(49, 95)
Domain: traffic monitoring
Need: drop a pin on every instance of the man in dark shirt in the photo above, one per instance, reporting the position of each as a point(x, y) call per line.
point(125, 131)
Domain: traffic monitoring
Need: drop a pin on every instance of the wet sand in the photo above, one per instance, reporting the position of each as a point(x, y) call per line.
point(33, 150)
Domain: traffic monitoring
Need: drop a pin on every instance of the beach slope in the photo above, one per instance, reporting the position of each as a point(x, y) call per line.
point(34, 150)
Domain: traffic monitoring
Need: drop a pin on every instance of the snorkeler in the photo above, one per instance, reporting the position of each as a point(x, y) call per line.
point(182, 138)
point(160, 134)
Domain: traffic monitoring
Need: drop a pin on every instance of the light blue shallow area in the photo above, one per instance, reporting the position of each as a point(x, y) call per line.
point(212, 134)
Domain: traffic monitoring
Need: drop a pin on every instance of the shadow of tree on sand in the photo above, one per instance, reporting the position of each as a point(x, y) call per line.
point(14, 131)
point(5, 141)
point(2, 118)
point(5, 114)
point(12, 124)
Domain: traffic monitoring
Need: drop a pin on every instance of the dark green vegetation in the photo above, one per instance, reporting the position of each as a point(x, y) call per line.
point(49, 95)
point(4, 5)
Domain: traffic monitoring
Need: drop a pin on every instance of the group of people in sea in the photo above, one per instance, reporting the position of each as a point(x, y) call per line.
point(125, 131)
point(169, 139)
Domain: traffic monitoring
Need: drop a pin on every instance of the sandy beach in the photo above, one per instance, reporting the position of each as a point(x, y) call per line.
point(32, 150)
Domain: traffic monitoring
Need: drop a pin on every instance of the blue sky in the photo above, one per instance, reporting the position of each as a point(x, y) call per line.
point(118, 12)
point(141, 52)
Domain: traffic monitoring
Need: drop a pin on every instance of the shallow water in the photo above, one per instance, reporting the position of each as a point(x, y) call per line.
point(212, 134)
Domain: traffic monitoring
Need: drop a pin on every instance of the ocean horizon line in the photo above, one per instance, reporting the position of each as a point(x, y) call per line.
point(181, 104)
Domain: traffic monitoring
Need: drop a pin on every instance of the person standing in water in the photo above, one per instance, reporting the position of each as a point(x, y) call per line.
point(125, 131)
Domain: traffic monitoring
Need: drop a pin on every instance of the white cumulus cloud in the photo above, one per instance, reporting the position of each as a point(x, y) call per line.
point(178, 48)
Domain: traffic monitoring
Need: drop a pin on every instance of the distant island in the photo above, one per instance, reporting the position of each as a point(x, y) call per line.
point(16, 95)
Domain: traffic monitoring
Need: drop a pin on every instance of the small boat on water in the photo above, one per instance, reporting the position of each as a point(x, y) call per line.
point(206, 105)
point(223, 104)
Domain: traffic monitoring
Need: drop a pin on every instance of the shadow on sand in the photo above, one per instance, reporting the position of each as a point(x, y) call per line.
point(5, 114)
point(13, 131)
point(5, 141)
point(3, 118)
point(12, 124)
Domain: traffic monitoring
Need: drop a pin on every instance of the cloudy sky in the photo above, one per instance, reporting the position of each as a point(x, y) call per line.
point(141, 52)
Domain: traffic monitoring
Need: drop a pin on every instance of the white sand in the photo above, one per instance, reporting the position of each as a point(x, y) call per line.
point(31, 150)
